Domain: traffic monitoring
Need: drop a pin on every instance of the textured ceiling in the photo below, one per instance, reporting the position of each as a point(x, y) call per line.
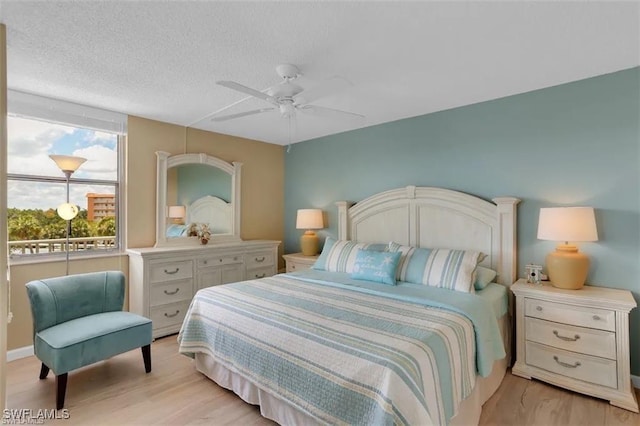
point(160, 60)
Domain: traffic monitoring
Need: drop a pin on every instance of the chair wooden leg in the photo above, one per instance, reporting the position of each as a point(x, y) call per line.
point(44, 371)
point(146, 356)
point(61, 386)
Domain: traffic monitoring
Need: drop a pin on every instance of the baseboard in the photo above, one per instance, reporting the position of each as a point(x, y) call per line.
point(636, 381)
point(24, 352)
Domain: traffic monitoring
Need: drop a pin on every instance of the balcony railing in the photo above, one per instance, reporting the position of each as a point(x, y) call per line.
point(57, 245)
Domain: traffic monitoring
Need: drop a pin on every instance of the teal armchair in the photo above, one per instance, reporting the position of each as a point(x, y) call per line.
point(78, 320)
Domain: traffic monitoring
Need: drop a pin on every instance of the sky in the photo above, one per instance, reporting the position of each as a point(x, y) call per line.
point(30, 142)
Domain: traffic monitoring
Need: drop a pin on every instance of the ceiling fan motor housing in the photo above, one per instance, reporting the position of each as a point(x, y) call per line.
point(288, 71)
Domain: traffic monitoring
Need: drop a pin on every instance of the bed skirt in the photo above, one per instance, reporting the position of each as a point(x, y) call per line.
point(271, 407)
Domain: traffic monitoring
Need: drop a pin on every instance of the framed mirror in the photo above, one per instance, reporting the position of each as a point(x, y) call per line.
point(194, 190)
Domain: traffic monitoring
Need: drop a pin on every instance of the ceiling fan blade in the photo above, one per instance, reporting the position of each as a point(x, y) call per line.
point(241, 114)
point(246, 90)
point(328, 112)
point(326, 88)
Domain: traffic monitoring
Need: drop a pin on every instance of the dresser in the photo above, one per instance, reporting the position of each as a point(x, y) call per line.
point(576, 339)
point(162, 281)
point(299, 262)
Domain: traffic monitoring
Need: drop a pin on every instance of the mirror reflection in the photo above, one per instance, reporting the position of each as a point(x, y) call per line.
point(198, 194)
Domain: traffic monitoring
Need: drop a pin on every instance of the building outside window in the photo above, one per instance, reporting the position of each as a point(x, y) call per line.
point(36, 186)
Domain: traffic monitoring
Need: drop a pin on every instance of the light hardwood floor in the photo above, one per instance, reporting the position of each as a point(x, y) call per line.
point(118, 391)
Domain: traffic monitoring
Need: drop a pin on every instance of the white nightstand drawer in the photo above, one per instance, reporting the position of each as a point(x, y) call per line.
point(219, 260)
point(582, 367)
point(168, 315)
point(258, 259)
point(576, 339)
point(259, 273)
point(173, 291)
point(568, 314)
point(169, 271)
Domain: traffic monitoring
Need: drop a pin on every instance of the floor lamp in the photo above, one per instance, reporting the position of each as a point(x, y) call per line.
point(67, 211)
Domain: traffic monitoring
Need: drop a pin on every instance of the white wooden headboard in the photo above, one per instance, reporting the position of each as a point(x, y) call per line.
point(437, 218)
point(212, 210)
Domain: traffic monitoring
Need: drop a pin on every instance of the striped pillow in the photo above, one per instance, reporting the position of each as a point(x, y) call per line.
point(443, 268)
point(340, 256)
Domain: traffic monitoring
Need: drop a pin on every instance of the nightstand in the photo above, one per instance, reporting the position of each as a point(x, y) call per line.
point(576, 339)
point(298, 261)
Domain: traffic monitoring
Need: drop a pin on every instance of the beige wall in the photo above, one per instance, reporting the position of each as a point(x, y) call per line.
point(262, 202)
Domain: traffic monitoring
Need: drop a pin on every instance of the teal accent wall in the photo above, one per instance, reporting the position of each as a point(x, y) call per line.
point(577, 144)
point(197, 180)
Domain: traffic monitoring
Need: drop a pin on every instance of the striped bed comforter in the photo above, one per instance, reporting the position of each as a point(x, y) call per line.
point(340, 354)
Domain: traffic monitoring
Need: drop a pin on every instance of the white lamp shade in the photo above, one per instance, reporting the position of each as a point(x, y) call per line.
point(68, 163)
point(177, 212)
point(573, 224)
point(309, 219)
point(67, 211)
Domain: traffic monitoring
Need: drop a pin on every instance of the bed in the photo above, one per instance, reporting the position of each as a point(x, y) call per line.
point(210, 210)
point(322, 347)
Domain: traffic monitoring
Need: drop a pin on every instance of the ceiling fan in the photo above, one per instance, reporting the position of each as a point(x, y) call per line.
point(288, 98)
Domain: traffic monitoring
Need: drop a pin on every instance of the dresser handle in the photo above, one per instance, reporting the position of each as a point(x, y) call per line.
point(566, 339)
point(264, 274)
point(564, 364)
point(538, 308)
point(260, 260)
point(171, 315)
point(596, 318)
point(171, 293)
point(171, 272)
point(235, 258)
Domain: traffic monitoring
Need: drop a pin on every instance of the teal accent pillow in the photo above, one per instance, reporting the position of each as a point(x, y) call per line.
point(376, 266)
point(340, 255)
point(484, 276)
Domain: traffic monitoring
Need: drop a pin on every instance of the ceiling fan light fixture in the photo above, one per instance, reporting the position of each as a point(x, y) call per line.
point(287, 110)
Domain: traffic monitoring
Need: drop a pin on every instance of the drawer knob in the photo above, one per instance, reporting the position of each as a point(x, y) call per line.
point(220, 260)
point(260, 259)
point(596, 318)
point(261, 275)
point(565, 338)
point(538, 308)
point(171, 272)
point(171, 293)
point(205, 262)
point(235, 258)
point(171, 315)
point(565, 364)
point(293, 266)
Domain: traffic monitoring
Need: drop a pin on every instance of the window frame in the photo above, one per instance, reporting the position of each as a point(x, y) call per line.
point(78, 116)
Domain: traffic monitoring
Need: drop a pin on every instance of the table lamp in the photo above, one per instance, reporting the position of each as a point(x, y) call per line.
point(567, 267)
point(309, 219)
point(177, 214)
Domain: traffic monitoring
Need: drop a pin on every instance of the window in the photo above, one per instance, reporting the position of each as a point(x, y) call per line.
point(36, 186)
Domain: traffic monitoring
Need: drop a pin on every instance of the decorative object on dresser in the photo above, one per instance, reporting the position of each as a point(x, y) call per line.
point(567, 267)
point(298, 261)
point(309, 219)
point(578, 340)
point(68, 165)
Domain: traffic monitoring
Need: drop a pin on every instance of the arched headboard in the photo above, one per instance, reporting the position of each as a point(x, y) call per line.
point(437, 218)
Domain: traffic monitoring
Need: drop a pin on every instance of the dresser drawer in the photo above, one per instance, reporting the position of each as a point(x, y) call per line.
point(169, 271)
point(576, 339)
point(258, 259)
point(169, 292)
point(587, 368)
point(568, 314)
point(168, 315)
point(259, 273)
point(219, 260)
